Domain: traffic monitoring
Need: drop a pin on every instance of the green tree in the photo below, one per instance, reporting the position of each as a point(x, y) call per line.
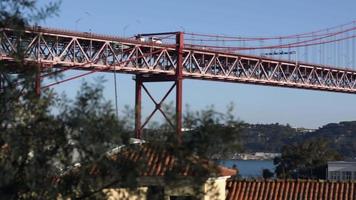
point(27, 128)
point(207, 132)
point(37, 145)
point(305, 160)
point(21, 13)
point(91, 130)
point(267, 174)
point(213, 134)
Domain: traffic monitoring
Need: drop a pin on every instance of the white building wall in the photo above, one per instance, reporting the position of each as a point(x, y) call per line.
point(341, 170)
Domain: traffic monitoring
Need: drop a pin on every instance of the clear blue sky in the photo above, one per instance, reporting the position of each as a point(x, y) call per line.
point(255, 104)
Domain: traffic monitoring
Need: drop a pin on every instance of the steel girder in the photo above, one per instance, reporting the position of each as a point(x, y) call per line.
point(264, 71)
point(87, 51)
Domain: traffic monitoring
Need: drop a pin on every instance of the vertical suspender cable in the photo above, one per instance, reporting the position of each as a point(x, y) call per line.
point(346, 50)
point(353, 46)
point(335, 52)
point(280, 50)
point(312, 51)
point(341, 49)
point(296, 51)
point(321, 54)
point(306, 53)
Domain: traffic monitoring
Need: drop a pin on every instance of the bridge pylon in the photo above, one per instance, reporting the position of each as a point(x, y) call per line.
point(177, 81)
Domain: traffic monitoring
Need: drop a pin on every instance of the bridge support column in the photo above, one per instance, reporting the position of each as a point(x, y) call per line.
point(177, 80)
point(179, 84)
point(38, 81)
point(138, 101)
point(140, 84)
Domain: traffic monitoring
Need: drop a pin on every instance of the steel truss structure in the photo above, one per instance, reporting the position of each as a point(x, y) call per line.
point(151, 61)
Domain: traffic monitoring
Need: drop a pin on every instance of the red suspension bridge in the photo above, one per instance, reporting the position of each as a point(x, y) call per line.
point(322, 60)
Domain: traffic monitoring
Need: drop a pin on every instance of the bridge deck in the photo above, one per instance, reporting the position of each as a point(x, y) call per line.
point(87, 51)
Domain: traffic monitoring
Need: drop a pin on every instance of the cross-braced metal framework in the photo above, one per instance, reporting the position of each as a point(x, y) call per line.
point(265, 71)
point(177, 79)
point(89, 51)
point(158, 104)
point(151, 61)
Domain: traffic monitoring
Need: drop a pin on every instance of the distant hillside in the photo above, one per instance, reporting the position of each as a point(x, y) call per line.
point(271, 137)
point(342, 137)
point(267, 137)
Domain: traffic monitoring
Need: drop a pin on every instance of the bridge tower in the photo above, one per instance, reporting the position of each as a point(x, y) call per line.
point(177, 84)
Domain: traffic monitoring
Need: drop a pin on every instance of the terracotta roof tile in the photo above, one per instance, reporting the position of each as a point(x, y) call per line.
point(224, 171)
point(352, 190)
point(157, 161)
point(290, 190)
point(262, 186)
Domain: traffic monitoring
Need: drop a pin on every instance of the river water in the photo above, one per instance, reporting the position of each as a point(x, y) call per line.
point(249, 168)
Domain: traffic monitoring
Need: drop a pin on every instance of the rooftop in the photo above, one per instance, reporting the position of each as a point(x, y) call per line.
point(290, 189)
point(159, 160)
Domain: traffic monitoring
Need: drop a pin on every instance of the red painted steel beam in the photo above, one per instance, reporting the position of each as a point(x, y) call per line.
point(138, 103)
point(98, 53)
point(179, 85)
point(157, 78)
point(38, 81)
point(139, 86)
point(157, 105)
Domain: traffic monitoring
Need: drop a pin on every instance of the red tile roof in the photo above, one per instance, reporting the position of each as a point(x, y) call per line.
point(148, 160)
point(290, 190)
point(158, 161)
point(224, 171)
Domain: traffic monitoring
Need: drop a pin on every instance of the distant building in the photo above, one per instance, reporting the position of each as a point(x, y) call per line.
point(341, 170)
point(304, 130)
point(256, 156)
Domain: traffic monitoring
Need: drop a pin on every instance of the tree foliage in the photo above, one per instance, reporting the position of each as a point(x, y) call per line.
point(341, 135)
point(29, 134)
point(37, 145)
point(267, 174)
point(305, 160)
point(20, 13)
point(213, 134)
point(207, 132)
